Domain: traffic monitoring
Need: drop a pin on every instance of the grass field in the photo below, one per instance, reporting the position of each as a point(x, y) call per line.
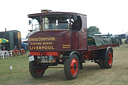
point(90, 75)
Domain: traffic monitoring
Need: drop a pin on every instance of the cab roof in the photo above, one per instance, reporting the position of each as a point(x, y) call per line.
point(51, 12)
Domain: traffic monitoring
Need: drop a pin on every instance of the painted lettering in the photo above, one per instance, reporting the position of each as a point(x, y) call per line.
point(66, 46)
point(47, 43)
point(47, 39)
point(33, 39)
point(41, 48)
point(35, 43)
point(43, 39)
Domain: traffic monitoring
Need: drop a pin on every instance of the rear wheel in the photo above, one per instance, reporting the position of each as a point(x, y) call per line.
point(71, 67)
point(107, 61)
point(36, 70)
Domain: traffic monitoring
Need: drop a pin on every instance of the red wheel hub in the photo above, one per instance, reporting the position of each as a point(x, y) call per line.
point(110, 59)
point(74, 66)
point(39, 71)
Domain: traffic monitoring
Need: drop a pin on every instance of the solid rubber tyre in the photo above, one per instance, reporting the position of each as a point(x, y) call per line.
point(107, 61)
point(36, 70)
point(71, 67)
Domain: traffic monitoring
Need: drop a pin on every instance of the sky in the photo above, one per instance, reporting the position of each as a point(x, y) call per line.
point(110, 16)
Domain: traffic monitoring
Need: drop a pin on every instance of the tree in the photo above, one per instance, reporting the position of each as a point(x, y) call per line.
point(93, 30)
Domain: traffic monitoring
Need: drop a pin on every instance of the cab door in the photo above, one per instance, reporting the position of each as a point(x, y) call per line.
point(79, 33)
point(74, 40)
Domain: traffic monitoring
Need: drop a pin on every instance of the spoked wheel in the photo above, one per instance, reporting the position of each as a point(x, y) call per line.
point(71, 67)
point(107, 61)
point(36, 70)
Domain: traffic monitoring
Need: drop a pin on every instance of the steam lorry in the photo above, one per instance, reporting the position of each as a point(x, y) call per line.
point(62, 38)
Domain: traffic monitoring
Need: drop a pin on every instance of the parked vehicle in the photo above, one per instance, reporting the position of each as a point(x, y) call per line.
point(126, 41)
point(14, 37)
point(61, 38)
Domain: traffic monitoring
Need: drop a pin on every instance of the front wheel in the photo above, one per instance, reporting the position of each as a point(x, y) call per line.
point(36, 70)
point(71, 67)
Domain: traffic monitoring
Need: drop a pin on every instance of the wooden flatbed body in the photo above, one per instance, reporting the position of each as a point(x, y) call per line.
point(91, 48)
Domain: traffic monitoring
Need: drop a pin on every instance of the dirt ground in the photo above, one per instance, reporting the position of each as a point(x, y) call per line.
point(90, 75)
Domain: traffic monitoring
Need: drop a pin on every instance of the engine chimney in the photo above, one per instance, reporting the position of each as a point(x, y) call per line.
point(45, 10)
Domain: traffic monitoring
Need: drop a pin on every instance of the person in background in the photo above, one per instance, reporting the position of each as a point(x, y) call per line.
point(4, 49)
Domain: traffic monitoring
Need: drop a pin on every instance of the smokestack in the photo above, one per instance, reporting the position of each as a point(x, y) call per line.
point(45, 10)
point(5, 29)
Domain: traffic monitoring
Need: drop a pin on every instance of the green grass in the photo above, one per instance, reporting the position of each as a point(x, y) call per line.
point(90, 75)
point(19, 71)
